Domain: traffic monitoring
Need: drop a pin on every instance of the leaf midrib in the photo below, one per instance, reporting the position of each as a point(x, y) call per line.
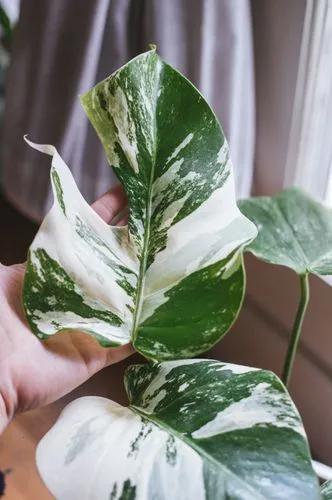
point(147, 228)
point(192, 444)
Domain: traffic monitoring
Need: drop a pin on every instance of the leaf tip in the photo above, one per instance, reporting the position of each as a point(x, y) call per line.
point(152, 46)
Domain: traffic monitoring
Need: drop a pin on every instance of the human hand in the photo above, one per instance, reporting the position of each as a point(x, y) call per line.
point(34, 373)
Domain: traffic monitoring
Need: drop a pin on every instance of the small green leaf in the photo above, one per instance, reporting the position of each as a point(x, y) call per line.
point(326, 490)
point(172, 281)
point(195, 429)
point(293, 231)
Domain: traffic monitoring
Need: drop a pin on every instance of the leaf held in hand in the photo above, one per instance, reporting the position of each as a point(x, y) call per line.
point(171, 281)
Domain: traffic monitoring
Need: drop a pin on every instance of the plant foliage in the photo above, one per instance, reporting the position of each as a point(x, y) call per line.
point(172, 281)
point(195, 429)
point(293, 231)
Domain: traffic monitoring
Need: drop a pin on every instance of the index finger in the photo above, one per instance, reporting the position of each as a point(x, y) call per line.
point(110, 204)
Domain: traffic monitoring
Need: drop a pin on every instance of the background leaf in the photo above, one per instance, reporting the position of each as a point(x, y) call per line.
point(173, 281)
point(293, 231)
point(194, 429)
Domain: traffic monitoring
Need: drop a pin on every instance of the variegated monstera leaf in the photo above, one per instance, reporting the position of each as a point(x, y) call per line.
point(195, 429)
point(171, 281)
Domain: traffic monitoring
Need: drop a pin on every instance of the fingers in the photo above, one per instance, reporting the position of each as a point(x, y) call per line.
point(114, 355)
point(123, 219)
point(110, 204)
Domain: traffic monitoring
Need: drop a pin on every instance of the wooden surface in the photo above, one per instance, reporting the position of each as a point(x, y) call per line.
point(19, 441)
point(17, 449)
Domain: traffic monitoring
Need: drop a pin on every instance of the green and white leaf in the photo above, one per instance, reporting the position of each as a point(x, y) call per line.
point(293, 231)
point(172, 282)
point(195, 429)
point(326, 490)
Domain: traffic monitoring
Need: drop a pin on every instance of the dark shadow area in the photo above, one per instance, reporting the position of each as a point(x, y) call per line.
point(17, 232)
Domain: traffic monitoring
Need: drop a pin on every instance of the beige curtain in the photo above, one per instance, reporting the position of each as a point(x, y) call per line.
point(62, 48)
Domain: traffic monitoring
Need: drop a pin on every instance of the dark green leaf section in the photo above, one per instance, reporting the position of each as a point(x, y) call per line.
point(128, 491)
point(58, 189)
point(293, 231)
point(326, 490)
point(47, 287)
point(241, 421)
point(179, 328)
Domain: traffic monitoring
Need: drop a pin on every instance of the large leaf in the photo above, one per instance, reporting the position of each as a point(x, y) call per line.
point(173, 280)
point(326, 490)
point(195, 429)
point(293, 231)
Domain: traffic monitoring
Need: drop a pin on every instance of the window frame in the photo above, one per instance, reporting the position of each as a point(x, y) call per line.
point(309, 155)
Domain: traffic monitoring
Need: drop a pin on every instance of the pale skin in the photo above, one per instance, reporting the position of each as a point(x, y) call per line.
point(35, 373)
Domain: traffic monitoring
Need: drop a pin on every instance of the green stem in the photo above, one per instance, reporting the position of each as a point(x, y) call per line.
point(297, 328)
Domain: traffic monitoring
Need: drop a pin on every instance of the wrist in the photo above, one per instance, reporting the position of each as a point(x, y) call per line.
point(4, 418)
point(7, 401)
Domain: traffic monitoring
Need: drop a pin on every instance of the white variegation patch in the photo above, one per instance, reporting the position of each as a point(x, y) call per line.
point(264, 406)
point(182, 145)
point(198, 241)
point(155, 393)
point(106, 448)
point(125, 127)
point(201, 239)
point(48, 322)
point(236, 369)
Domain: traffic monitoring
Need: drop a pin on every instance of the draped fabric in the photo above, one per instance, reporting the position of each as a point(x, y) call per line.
point(62, 48)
